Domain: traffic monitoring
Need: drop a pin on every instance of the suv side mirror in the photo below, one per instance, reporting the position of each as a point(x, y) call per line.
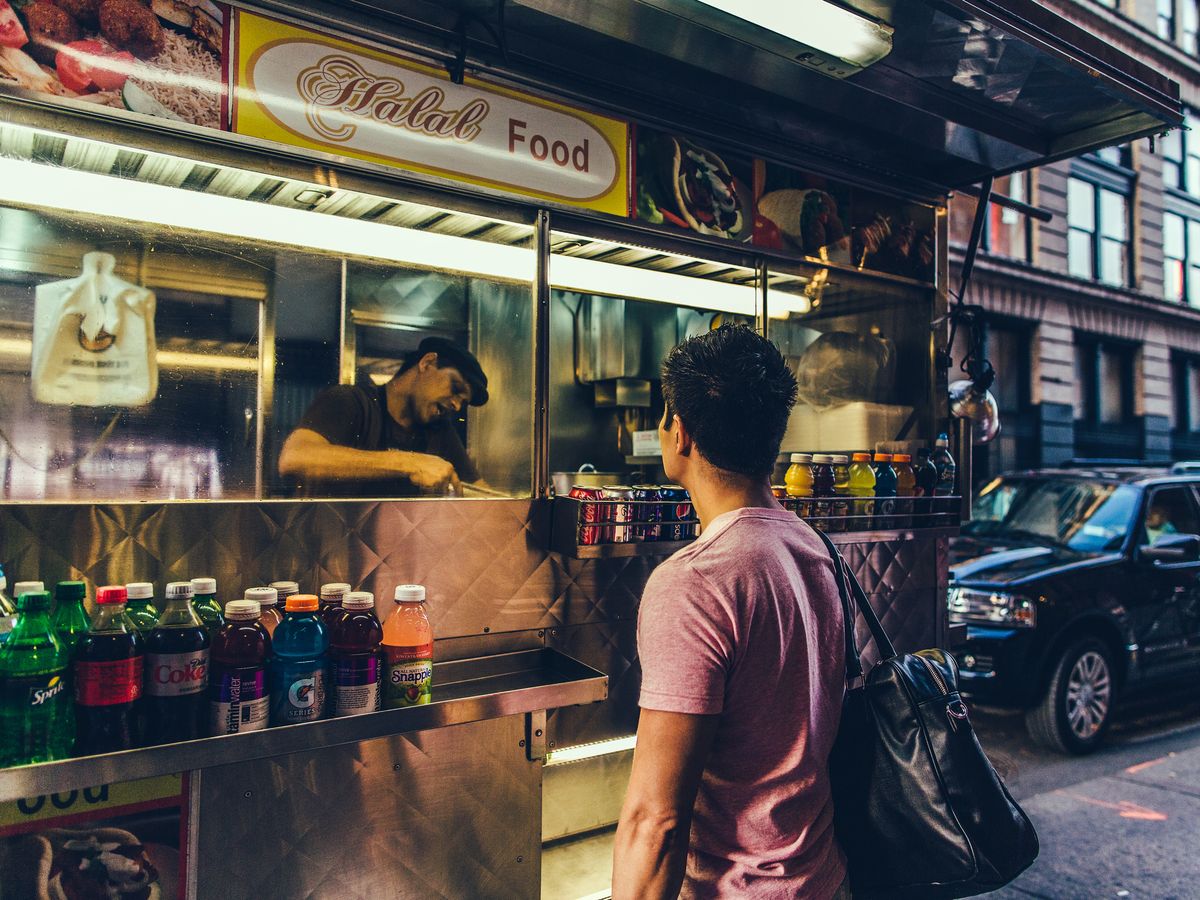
point(1173, 548)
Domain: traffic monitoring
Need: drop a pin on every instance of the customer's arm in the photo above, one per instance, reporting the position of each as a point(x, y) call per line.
point(652, 838)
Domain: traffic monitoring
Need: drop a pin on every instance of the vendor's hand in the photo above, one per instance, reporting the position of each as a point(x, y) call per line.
point(431, 473)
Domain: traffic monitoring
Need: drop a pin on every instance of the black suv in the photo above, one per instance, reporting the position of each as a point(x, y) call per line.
point(1078, 585)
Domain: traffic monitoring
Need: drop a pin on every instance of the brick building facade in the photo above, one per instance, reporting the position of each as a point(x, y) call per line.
point(1094, 316)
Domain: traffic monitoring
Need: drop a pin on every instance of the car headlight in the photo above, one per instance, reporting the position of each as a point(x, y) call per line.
point(991, 607)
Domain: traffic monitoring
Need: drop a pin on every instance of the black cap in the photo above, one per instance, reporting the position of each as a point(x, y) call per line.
point(449, 353)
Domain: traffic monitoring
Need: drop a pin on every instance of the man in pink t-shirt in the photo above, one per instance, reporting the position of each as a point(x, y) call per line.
point(741, 642)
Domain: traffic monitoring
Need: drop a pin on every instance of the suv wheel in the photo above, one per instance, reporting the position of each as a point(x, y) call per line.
point(1077, 706)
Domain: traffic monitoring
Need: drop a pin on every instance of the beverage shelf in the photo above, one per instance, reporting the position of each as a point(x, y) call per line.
point(467, 690)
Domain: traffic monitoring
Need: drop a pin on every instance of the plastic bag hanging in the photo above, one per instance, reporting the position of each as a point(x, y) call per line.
point(93, 339)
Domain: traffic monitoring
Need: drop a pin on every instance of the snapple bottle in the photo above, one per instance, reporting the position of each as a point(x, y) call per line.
point(176, 670)
point(408, 649)
point(237, 693)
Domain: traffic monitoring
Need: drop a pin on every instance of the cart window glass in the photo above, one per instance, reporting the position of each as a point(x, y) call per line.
point(173, 329)
point(616, 311)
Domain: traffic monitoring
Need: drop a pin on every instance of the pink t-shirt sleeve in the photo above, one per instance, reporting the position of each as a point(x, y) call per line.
point(686, 640)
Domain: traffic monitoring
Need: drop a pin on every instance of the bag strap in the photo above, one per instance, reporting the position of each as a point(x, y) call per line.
point(848, 587)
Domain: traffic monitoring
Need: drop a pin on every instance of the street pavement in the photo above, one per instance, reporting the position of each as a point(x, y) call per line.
point(1123, 822)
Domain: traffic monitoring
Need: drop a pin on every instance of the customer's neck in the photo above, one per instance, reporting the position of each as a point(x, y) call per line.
point(717, 492)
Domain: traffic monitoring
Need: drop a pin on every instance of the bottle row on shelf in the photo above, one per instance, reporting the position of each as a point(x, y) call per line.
point(131, 675)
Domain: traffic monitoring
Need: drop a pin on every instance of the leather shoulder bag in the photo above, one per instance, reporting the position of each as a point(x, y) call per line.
point(918, 808)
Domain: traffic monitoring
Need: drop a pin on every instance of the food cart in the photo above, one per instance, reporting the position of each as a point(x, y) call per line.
point(291, 196)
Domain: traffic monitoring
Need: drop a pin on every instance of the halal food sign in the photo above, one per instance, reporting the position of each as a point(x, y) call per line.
point(295, 86)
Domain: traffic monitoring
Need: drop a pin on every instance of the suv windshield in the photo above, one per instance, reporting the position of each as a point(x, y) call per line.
point(1082, 515)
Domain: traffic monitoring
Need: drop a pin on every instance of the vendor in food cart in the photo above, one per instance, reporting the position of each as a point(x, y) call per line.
point(397, 439)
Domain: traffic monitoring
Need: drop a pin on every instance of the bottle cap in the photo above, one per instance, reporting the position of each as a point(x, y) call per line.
point(862, 457)
point(303, 603)
point(177, 589)
point(903, 457)
point(883, 457)
point(204, 586)
point(110, 593)
point(33, 587)
point(34, 600)
point(801, 457)
point(334, 589)
point(139, 590)
point(264, 596)
point(242, 610)
point(358, 600)
point(840, 459)
point(943, 440)
point(286, 588)
point(822, 459)
point(410, 593)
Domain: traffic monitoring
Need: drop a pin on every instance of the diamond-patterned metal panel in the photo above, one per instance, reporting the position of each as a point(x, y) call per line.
point(610, 647)
point(453, 812)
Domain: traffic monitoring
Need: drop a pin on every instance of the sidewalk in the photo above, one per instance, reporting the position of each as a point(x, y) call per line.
point(1132, 834)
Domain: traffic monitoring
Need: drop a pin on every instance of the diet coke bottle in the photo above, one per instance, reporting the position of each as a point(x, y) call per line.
point(176, 671)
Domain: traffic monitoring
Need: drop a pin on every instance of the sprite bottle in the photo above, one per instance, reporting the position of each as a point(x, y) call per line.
point(37, 722)
point(8, 610)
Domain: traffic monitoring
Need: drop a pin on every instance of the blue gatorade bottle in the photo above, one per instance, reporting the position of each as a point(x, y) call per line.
point(299, 673)
point(885, 492)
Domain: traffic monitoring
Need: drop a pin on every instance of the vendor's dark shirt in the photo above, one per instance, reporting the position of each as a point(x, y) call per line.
point(357, 417)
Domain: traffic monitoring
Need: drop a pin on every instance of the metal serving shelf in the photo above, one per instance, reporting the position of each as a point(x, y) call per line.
point(468, 690)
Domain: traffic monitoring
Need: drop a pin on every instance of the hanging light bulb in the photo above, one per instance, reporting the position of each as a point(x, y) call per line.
point(968, 401)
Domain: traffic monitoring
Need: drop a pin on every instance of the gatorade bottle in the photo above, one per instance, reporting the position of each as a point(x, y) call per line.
point(140, 606)
point(354, 647)
point(823, 489)
point(268, 601)
point(109, 663)
point(8, 610)
point(71, 621)
point(927, 477)
point(177, 657)
point(906, 488)
point(331, 601)
point(885, 491)
point(237, 686)
point(298, 673)
point(37, 722)
point(798, 480)
point(862, 488)
point(841, 491)
point(408, 650)
point(204, 601)
point(947, 472)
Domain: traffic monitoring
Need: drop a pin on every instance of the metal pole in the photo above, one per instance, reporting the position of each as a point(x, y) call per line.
point(541, 358)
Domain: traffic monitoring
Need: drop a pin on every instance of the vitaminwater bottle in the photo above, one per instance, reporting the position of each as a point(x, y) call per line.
point(285, 589)
point(947, 472)
point(927, 477)
point(37, 722)
point(354, 647)
point(906, 489)
point(206, 604)
point(408, 649)
point(862, 489)
point(798, 480)
point(109, 666)
point(822, 474)
point(268, 602)
point(238, 699)
point(140, 606)
point(177, 658)
point(331, 601)
point(71, 621)
point(8, 609)
point(298, 670)
point(885, 491)
point(841, 491)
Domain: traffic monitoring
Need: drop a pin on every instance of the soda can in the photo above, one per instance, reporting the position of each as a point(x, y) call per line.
point(591, 514)
point(648, 513)
point(676, 510)
point(619, 513)
point(779, 492)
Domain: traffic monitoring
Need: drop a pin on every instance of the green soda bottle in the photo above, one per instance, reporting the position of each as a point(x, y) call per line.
point(37, 717)
point(206, 605)
point(140, 606)
point(71, 620)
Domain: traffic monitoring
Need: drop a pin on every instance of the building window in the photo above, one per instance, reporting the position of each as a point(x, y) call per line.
point(1181, 258)
point(1006, 232)
point(1098, 232)
point(1181, 159)
point(1185, 383)
point(1189, 26)
point(1166, 20)
point(1104, 381)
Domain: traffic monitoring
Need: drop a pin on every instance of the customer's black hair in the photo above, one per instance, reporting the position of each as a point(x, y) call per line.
point(733, 392)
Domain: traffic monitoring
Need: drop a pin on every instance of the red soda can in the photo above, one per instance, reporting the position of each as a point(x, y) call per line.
point(591, 514)
point(779, 492)
point(619, 513)
point(676, 509)
point(649, 512)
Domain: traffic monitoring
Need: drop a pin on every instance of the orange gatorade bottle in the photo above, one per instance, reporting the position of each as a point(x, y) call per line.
point(408, 649)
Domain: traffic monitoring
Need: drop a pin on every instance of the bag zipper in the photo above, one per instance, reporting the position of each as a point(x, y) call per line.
point(935, 674)
point(955, 712)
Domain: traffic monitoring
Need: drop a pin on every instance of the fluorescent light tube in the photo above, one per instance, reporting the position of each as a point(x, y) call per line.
point(590, 276)
point(824, 27)
point(591, 751)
